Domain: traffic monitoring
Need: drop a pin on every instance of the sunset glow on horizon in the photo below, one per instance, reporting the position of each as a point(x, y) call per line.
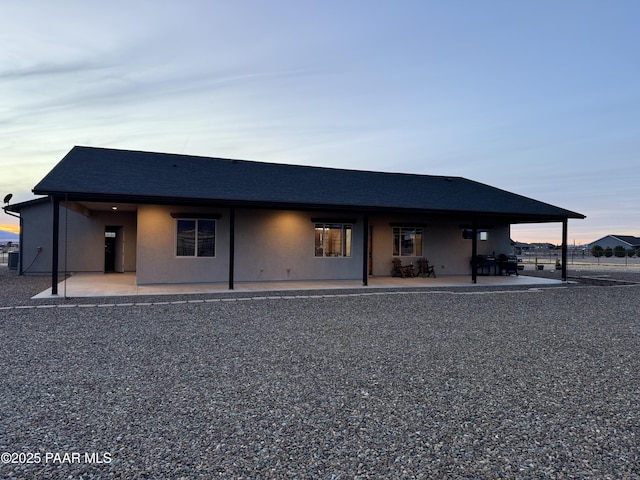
point(7, 227)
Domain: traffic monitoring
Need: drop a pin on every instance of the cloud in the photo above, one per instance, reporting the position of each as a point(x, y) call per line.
point(47, 70)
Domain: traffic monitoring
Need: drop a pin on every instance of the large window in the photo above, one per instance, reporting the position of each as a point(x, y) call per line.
point(333, 240)
point(196, 238)
point(407, 241)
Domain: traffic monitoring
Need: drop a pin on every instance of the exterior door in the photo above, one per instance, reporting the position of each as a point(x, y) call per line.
point(114, 249)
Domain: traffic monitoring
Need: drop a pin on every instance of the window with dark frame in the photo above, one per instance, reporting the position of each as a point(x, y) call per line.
point(407, 241)
point(333, 239)
point(195, 237)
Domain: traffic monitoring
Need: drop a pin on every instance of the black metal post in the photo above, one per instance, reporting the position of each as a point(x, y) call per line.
point(564, 248)
point(55, 245)
point(365, 250)
point(474, 253)
point(232, 244)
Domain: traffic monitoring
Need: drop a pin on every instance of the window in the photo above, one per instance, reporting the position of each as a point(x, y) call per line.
point(333, 240)
point(467, 234)
point(407, 242)
point(196, 238)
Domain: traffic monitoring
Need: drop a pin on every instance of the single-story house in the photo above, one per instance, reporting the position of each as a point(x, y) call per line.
point(613, 241)
point(187, 219)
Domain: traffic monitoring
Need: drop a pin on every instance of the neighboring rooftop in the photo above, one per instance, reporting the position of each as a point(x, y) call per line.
point(630, 240)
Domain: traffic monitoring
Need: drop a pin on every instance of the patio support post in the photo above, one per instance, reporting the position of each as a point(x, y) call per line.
point(232, 242)
point(565, 222)
point(474, 253)
point(55, 245)
point(365, 250)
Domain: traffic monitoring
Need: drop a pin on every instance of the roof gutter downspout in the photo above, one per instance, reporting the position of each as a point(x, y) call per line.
point(9, 213)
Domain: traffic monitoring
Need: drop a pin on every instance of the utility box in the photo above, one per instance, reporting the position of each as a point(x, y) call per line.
point(14, 259)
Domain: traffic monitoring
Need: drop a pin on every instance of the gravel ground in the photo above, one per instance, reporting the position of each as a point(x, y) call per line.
point(467, 383)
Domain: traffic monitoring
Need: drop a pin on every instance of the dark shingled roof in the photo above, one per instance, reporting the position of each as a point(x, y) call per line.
point(88, 173)
point(630, 239)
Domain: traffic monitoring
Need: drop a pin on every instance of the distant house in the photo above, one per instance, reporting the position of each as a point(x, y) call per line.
point(520, 247)
point(187, 219)
point(523, 248)
point(612, 241)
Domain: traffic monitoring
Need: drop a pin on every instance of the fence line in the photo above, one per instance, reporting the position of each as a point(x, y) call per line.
point(575, 257)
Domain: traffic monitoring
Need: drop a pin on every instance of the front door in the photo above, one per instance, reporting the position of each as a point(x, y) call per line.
point(113, 249)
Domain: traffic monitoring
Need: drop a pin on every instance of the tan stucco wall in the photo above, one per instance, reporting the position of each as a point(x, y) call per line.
point(84, 249)
point(443, 244)
point(280, 245)
point(157, 260)
point(269, 245)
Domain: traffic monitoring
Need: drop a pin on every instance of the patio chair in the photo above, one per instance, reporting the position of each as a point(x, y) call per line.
point(424, 269)
point(400, 270)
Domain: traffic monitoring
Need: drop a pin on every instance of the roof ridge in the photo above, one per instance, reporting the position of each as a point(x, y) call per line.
point(260, 162)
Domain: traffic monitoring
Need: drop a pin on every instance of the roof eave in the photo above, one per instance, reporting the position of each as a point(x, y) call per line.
point(510, 217)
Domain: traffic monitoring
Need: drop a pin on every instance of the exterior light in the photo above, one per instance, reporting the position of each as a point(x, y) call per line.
point(114, 208)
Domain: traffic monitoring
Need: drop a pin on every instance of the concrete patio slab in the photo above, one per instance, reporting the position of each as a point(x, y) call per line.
point(124, 284)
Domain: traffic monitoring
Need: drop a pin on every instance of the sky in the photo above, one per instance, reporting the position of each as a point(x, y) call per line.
point(540, 98)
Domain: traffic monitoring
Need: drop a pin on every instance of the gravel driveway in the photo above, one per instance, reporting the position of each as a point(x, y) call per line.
point(469, 383)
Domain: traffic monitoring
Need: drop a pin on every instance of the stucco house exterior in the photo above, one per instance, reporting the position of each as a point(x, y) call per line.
point(186, 219)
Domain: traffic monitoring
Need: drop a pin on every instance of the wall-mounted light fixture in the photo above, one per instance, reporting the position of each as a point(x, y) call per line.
point(114, 208)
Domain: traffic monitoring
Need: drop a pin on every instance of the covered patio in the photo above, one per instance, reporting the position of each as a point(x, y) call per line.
point(271, 224)
point(124, 284)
